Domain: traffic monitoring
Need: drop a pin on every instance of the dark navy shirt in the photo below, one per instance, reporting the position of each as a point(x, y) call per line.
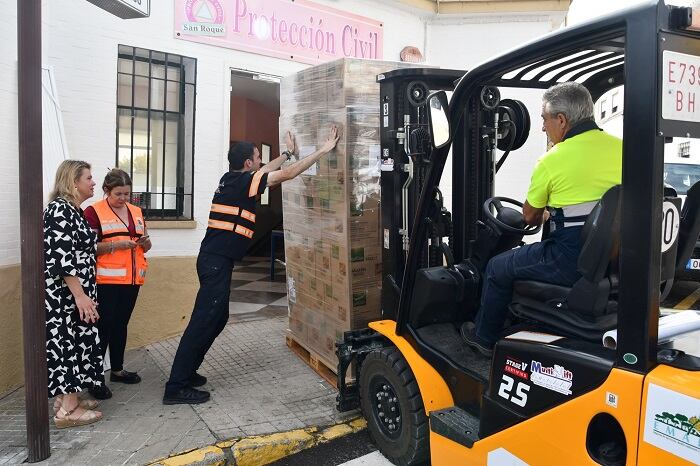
point(232, 216)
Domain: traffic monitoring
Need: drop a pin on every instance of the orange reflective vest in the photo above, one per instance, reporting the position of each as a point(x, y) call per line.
point(235, 213)
point(123, 266)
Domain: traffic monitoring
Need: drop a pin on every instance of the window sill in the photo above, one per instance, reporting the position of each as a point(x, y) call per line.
point(171, 224)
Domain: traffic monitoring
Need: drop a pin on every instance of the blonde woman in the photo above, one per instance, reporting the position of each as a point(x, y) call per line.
point(74, 358)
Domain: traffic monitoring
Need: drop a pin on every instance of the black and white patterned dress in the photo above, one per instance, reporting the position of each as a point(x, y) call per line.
point(73, 352)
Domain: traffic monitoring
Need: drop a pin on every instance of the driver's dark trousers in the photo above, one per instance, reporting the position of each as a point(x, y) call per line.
point(552, 261)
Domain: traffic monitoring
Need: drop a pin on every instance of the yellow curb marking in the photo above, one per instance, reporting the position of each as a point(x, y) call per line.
point(689, 300)
point(340, 430)
point(258, 451)
point(194, 456)
point(264, 449)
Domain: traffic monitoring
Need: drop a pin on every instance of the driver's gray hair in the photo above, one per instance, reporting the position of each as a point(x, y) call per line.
point(570, 99)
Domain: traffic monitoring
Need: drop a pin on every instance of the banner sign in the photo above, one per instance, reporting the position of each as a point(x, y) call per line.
point(296, 30)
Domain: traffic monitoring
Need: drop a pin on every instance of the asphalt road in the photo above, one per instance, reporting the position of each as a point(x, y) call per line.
point(334, 453)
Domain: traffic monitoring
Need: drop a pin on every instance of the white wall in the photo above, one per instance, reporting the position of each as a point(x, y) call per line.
point(80, 42)
point(9, 162)
point(463, 43)
point(401, 26)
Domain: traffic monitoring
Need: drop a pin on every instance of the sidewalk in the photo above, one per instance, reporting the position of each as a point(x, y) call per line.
point(257, 386)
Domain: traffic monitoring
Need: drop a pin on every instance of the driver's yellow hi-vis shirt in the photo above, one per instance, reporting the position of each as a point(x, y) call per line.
point(579, 169)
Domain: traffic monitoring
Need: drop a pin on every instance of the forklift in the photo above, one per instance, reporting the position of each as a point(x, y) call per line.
point(552, 393)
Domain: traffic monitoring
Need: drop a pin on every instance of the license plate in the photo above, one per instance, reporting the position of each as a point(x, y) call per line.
point(680, 79)
point(693, 264)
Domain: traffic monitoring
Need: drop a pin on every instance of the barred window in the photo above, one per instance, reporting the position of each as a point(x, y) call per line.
point(155, 129)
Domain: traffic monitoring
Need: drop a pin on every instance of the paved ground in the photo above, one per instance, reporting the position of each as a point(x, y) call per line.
point(257, 385)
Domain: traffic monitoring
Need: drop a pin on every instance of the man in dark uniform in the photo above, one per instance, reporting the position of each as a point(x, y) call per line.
point(229, 230)
point(567, 183)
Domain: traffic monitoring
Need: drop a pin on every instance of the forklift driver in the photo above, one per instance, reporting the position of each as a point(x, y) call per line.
point(568, 180)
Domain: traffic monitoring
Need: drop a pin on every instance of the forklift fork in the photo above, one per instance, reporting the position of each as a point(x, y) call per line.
point(356, 345)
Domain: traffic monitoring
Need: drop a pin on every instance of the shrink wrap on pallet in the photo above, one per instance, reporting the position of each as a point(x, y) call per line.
point(331, 212)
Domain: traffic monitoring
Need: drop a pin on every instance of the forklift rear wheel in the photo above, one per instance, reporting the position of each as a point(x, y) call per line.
point(392, 404)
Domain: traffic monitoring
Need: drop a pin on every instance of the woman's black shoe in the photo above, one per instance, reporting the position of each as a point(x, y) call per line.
point(101, 393)
point(197, 380)
point(125, 377)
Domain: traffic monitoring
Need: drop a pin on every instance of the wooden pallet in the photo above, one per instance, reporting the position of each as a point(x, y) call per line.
point(322, 368)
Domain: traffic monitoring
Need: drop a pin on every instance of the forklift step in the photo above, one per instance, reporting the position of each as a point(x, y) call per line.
point(455, 424)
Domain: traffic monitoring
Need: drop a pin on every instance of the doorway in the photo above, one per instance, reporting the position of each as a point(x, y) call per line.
point(255, 112)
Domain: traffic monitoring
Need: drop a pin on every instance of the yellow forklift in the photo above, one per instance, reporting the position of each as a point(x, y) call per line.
point(552, 393)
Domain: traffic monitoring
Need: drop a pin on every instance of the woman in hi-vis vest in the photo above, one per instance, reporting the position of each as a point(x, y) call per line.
point(121, 270)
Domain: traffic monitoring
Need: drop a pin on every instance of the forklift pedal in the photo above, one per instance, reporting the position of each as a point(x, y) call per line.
point(455, 424)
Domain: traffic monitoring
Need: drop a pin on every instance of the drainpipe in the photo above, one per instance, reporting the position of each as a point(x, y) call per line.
point(31, 227)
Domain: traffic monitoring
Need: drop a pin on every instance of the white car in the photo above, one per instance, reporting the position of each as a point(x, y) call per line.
point(681, 176)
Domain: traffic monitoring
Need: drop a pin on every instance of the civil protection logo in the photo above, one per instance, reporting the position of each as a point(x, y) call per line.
point(204, 11)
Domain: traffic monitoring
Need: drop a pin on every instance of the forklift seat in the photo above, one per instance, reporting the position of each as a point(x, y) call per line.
point(589, 308)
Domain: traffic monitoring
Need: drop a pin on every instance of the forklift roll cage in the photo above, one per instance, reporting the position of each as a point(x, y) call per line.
point(620, 49)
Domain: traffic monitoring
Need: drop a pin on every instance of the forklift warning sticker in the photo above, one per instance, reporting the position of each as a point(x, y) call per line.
point(680, 92)
point(555, 378)
point(672, 421)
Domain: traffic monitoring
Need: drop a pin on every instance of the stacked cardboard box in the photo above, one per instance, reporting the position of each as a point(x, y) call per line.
point(331, 213)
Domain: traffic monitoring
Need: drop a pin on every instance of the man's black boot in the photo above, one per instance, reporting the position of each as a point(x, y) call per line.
point(185, 396)
point(196, 380)
point(468, 332)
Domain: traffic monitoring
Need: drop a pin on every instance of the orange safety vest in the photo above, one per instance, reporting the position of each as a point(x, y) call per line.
point(123, 266)
point(236, 213)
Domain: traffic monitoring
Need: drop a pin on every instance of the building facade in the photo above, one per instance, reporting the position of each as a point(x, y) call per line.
point(130, 93)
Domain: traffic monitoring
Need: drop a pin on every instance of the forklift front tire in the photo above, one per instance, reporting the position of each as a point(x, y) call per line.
point(392, 404)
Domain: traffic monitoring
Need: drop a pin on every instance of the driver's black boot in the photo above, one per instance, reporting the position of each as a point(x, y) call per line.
point(468, 332)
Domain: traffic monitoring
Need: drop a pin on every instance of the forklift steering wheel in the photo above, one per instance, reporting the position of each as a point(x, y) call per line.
point(496, 203)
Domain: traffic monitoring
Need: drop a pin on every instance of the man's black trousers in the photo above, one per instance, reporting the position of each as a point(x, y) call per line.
point(209, 318)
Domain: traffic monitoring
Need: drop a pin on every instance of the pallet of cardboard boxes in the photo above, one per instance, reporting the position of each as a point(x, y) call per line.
point(331, 212)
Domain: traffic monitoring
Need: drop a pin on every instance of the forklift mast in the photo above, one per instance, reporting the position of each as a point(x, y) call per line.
point(405, 160)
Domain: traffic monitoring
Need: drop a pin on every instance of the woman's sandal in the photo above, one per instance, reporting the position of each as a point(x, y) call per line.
point(88, 417)
point(85, 403)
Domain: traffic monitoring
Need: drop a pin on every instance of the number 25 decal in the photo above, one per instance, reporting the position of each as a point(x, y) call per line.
point(520, 396)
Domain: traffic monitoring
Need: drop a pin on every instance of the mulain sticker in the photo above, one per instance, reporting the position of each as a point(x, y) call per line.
point(611, 399)
point(672, 423)
point(555, 378)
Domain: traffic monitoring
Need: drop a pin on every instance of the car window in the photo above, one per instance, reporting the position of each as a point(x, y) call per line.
point(681, 176)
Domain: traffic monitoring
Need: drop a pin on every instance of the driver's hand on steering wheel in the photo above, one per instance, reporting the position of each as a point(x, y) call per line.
point(545, 216)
